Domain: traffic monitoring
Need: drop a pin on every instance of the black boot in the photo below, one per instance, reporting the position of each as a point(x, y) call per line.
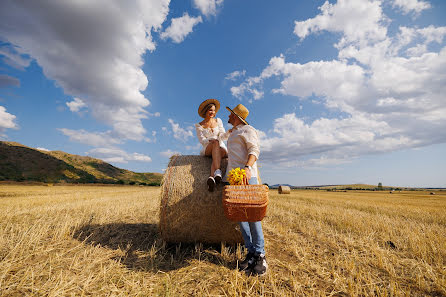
point(260, 266)
point(246, 264)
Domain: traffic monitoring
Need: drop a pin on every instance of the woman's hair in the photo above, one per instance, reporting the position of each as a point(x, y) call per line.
point(208, 107)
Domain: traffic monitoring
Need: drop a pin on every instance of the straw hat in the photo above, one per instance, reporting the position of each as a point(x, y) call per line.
point(241, 112)
point(202, 108)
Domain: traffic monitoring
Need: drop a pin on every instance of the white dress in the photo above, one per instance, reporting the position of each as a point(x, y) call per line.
point(206, 134)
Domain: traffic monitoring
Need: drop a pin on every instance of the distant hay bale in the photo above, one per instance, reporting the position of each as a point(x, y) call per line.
point(188, 211)
point(284, 190)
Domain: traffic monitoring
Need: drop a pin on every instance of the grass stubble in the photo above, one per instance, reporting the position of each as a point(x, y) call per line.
point(104, 241)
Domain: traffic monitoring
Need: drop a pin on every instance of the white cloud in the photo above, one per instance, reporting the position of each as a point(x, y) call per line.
point(180, 28)
point(6, 119)
point(155, 114)
point(408, 6)
point(345, 17)
point(208, 7)
point(236, 74)
point(76, 105)
point(43, 149)
point(6, 122)
point(115, 155)
point(92, 49)
point(387, 91)
point(194, 148)
point(91, 138)
point(180, 133)
point(169, 153)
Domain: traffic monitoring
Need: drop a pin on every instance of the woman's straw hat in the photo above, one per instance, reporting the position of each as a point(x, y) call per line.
point(241, 112)
point(202, 108)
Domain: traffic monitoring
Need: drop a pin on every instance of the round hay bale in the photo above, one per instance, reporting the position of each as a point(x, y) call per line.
point(284, 190)
point(188, 211)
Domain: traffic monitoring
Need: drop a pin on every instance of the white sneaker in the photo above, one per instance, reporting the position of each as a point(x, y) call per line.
point(217, 176)
point(211, 184)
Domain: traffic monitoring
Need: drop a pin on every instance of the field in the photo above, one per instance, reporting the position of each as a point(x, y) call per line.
point(104, 241)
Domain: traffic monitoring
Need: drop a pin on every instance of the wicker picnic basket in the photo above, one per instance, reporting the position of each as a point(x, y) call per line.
point(245, 203)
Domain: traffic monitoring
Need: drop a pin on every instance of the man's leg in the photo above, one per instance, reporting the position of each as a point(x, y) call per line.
point(257, 238)
point(260, 265)
point(255, 228)
point(247, 238)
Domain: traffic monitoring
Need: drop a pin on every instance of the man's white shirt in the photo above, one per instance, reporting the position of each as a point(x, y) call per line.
point(242, 141)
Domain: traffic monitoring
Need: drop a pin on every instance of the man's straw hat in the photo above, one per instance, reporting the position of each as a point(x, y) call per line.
point(203, 106)
point(241, 112)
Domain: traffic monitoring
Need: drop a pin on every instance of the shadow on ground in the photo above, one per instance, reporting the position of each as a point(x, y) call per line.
point(143, 248)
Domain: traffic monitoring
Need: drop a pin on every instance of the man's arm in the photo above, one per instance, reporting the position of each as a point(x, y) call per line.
point(251, 160)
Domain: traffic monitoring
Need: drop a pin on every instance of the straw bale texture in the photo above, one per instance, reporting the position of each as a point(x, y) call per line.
point(284, 190)
point(188, 211)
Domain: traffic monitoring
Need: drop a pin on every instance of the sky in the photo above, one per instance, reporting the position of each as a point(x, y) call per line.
point(341, 92)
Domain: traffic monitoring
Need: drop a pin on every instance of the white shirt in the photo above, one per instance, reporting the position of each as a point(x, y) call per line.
point(242, 141)
point(206, 134)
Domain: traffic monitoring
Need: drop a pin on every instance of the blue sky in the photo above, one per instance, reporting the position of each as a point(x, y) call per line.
point(341, 92)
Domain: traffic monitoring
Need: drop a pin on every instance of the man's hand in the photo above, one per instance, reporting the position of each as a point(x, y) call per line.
point(247, 176)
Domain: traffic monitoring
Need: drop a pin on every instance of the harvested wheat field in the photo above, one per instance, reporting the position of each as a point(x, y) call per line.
point(104, 241)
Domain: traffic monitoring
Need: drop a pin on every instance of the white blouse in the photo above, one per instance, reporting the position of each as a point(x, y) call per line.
point(206, 134)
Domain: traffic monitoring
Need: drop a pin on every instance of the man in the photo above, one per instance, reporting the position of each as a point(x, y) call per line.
point(243, 152)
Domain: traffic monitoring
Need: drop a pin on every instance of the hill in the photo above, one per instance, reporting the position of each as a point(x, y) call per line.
point(340, 187)
point(22, 163)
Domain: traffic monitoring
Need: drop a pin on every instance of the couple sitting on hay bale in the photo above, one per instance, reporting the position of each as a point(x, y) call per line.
point(242, 151)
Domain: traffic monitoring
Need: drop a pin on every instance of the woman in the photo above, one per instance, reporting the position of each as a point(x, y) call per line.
point(208, 132)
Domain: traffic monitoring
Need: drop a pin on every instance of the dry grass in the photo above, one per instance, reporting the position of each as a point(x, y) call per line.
point(104, 241)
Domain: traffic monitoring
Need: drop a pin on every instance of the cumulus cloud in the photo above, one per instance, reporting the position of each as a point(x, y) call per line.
point(7, 121)
point(8, 81)
point(236, 74)
point(115, 155)
point(93, 50)
point(208, 7)
point(180, 28)
point(43, 149)
point(345, 17)
point(91, 138)
point(76, 105)
point(414, 6)
point(387, 91)
point(180, 133)
point(169, 153)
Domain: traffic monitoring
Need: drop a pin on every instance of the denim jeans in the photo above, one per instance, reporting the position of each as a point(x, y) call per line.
point(252, 232)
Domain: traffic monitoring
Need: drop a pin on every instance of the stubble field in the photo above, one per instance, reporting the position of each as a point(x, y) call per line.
point(104, 241)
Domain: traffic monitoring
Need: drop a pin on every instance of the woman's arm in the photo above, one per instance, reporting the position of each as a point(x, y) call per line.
point(222, 134)
point(201, 138)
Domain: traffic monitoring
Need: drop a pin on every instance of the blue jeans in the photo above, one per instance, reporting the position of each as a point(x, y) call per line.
point(252, 231)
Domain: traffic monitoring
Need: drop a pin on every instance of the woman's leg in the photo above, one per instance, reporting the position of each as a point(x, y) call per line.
point(210, 153)
point(216, 157)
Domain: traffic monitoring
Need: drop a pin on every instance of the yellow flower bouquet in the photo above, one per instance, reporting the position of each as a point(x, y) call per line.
point(236, 176)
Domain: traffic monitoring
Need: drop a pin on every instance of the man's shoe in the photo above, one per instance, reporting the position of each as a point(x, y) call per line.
point(260, 266)
point(246, 264)
point(217, 176)
point(211, 183)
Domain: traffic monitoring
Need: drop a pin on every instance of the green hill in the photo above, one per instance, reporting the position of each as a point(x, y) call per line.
point(22, 163)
